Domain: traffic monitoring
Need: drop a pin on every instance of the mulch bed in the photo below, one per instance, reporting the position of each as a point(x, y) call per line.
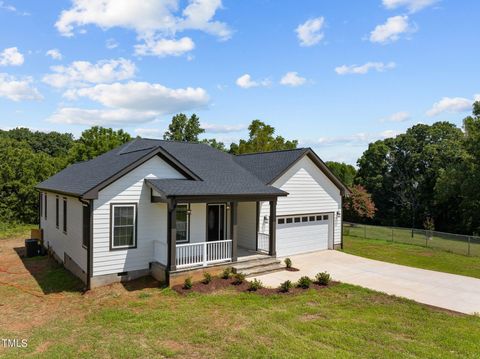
point(291, 269)
point(218, 284)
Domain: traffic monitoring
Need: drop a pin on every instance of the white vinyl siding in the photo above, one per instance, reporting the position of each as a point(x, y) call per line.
point(151, 219)
point(310, 191)
point(198, 222)
point(247, 224)
point(70, 242)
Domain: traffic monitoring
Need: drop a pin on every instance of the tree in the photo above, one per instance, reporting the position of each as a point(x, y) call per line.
point(401, 173)
point(215, 144)
point(96, 141)
point(359, 205)
point(345, 172)
point(184, 129)
point(22, 170)
point(262, 139)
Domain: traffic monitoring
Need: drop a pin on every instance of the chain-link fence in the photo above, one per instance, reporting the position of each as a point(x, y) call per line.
point(455, 243)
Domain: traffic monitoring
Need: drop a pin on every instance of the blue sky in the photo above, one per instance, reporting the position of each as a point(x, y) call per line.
point(335, 75)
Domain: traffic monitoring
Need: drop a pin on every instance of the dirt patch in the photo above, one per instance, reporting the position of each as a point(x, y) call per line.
point(219, 284)
point(292, 269)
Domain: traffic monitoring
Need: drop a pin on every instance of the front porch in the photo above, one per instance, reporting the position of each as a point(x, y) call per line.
point(212, 233)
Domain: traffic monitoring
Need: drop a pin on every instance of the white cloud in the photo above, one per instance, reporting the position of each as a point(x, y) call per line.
point(111, 44)
point(365, 68)
point(452, 104)
point(165, 47)
point(357, 139)
point(54, 54)
point(411, 5)
point(214, 128)
point(81, 73)
point(18, 89)
point(245, 81)
point(149, 132)
point(11, 8)
point(391, 30)
point(310, 32)
point(152, 20)
point(11, 57)
point(132, 102)
point(292, 79)
point(401, 116)
point(91, 117)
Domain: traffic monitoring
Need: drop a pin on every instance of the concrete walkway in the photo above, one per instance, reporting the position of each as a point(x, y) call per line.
point(449, 291)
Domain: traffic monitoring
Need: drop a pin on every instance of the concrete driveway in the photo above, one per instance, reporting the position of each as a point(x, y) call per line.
point(449, 291)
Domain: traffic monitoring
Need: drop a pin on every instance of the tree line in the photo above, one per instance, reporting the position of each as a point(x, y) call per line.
point(428, 175)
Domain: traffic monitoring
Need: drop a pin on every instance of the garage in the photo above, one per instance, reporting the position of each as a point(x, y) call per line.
point(304, 233)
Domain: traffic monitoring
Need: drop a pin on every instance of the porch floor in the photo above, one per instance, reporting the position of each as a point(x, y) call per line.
point(244, 254)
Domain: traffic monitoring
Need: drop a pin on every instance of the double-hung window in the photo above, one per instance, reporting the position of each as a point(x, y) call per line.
point(46, 206)
point(64, 215)
point(57, 215)
point(182, 223)
point(123, 224)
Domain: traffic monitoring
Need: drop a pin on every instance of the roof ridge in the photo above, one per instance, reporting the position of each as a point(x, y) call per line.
point(275, 151)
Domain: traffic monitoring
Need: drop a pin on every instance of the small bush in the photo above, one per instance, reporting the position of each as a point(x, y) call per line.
point(238, 278)
point(188, 283)
point(227, 272)
point(323, 278)
point(304, 282)
point(207, 278)
point(255, 285)
point(288, 262)
point(286, 286)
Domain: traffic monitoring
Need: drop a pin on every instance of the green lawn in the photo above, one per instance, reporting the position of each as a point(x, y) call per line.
point(445, 241)
point(413, 255)
point(15, 230)
point(342, 321)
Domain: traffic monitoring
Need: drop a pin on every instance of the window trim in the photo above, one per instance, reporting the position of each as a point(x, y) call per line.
point(188, 223)
point(135, 224)
point(65, 215)
point(57, 212)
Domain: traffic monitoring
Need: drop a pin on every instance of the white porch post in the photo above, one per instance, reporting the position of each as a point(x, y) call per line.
point(234, 229)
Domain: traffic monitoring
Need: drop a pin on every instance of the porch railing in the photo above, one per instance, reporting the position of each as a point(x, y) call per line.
point(263, 242)
point(204, 253)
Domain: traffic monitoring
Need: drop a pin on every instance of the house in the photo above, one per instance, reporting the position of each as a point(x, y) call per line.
point(165, 208)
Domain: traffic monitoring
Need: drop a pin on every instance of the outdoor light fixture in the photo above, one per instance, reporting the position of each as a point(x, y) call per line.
point(189, 211)
point(228, 207)
point(339, 214)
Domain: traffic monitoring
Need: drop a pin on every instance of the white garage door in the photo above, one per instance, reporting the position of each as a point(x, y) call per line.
point(303, 233)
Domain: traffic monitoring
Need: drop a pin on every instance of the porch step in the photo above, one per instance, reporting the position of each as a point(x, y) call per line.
point(258, 266)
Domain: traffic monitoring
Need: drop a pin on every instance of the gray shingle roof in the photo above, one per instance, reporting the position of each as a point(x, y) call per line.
point(214, 172)
point(267, 166)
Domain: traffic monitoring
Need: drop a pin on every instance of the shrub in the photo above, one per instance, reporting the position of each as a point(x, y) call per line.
point(304, 282)
point(188, 283)
point(286, 286)
point(255, 285)
point(238, 278)
point(207, 278)
point(227, 272)
point(323, 278)
point(288, 262)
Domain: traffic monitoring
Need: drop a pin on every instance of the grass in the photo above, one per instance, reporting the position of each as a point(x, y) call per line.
point(413, 255)
point(15, 230)
point(142, 320)
point(448, 242)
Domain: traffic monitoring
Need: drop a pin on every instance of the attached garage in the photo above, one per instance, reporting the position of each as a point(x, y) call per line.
point(304, 233)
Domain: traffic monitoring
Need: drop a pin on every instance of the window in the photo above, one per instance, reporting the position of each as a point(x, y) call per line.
point(325, 218)
point(182, 223)
point(86, 226)
point(319, 218)
point(281, 220)
point(123, 225)
point(297, 219)
point(305, 219)
point(41, 204)
point(56, 211)
point(289, 220)
point(45, 204)
point(311, 218)
point(64, 215)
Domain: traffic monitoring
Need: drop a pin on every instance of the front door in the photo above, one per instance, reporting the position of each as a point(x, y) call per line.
point(215, 222)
